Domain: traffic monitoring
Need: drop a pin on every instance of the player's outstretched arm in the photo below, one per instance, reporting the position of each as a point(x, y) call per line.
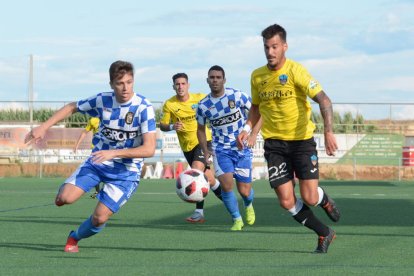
point(325, 106)
point(80, 139)
point(37, 133)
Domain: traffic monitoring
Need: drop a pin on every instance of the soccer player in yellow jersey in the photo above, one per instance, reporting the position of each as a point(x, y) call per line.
point(279, 96)
point(179, 114)
point(93, 125)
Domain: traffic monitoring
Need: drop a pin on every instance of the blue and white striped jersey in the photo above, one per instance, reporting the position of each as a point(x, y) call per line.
point(121, 125)
point(227, 116)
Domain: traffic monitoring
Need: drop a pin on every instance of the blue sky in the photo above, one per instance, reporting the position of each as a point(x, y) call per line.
point(360, 51)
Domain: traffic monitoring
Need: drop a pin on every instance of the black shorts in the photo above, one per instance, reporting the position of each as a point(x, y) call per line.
point(197, 154)
point(286, 159)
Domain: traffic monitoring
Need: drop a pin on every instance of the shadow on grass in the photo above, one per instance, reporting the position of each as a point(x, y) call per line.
point(360, 183)
point(59, 248)
point(354, 212)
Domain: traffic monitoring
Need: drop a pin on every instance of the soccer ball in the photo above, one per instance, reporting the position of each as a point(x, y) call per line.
point(192, 186)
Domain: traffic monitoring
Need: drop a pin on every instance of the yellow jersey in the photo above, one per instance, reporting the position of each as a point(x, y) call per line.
point(93, 125)
point(184, 112)
point(282, 99)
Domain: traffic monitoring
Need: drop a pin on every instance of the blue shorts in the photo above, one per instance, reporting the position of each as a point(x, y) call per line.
point(115, 192)
point(237, 162)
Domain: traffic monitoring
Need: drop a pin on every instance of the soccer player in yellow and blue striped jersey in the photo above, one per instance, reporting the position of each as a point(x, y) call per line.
point(179, 114)
point(279, 96)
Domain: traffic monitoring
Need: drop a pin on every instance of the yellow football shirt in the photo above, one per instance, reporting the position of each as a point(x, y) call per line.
point(185, 112)
point(282, 99)
point(93, 125)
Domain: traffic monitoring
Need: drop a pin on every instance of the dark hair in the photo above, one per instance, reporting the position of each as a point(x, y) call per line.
point(179, 75)
point(273, 30)
point(119, 68)
point(217, 68)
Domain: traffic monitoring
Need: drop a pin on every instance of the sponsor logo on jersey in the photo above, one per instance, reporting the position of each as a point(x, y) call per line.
point(226, 119)
point(129, 118)
point(232, 104)
point(313, 84)
point(275, 94)
point(118, 135)
point(187, 119)
point(283, 79)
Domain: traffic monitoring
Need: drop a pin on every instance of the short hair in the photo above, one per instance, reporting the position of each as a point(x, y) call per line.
point(273, 30)
point(120, 68)
point(217, 68)
point(179, 75)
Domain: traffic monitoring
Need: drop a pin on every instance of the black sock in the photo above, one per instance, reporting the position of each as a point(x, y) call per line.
point(200, 205)
point(308, 219)
point(217, 192)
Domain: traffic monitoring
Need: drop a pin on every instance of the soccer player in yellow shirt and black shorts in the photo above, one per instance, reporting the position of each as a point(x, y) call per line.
point(279, 96)
point(179, 114)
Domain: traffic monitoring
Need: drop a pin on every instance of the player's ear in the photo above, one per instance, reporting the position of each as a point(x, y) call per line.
point(110, 84)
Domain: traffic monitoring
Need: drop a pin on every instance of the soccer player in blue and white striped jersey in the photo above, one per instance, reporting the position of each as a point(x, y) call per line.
point(226, 110)
point(126, 135)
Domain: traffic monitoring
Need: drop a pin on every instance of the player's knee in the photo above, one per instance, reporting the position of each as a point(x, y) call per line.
point(310, 200)
point(287, 203)
point(99, 220)
point(245, 192)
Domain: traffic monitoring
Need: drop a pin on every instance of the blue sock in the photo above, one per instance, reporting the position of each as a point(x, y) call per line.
point(86, 229)
point(249, 199)
point(230, 201)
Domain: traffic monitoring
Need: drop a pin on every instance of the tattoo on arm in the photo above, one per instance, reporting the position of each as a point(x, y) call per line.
point(325, 106)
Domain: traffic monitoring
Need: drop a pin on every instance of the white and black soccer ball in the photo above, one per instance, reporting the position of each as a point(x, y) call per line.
point(192, 186)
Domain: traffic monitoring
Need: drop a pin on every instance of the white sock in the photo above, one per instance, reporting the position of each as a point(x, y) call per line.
point(216, 185)
point(298, 206)
point(320, 193)
point(201, 211)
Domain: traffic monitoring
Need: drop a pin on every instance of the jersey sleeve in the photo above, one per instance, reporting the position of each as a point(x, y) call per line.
point(254, 92)
point(166, 114)
point(201, 119)
point(147, 119)
point(89, 106)
point(306, 82)
point(246, 100)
